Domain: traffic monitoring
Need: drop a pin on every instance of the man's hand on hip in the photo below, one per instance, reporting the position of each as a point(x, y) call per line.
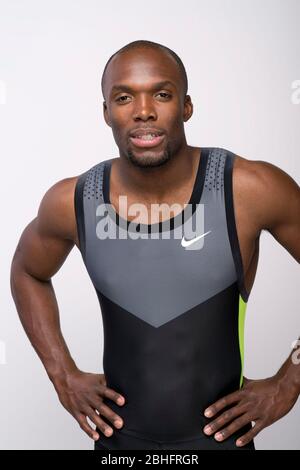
point(82, 394)
point(260, 401)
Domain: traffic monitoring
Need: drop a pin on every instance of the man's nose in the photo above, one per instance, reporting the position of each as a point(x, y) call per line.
point(144, 109)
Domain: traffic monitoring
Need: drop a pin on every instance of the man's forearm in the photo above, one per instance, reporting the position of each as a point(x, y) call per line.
point(289, 373)
point(38, 311)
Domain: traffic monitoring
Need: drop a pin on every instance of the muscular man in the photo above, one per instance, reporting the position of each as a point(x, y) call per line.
point(173, 307)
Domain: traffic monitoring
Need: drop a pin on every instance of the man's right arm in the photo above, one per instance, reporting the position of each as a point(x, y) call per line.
point(42, 249)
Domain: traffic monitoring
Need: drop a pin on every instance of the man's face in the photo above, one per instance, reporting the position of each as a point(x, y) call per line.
point(143, 89)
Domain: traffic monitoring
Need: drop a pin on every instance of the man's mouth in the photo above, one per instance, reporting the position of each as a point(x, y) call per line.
point(147, 139)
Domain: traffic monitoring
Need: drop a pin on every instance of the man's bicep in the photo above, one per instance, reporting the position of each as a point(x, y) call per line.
point(287, 231)
point(280, 207)
point(40, 255)
point(47, 240)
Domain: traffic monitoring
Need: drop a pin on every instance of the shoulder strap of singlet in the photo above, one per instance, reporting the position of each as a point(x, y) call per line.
point(79, 211)
point(88, 194)
point(218, 197)
point(231, 223)
point(214, 174)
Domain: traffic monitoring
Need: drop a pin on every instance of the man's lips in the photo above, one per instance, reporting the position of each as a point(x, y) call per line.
point(145, 137)
point(141, 131)
point(146, 142)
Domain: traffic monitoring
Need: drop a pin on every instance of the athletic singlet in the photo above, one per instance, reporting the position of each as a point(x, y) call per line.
point(173, 307)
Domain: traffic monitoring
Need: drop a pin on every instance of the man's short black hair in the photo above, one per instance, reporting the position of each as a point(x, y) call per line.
point(140, 44)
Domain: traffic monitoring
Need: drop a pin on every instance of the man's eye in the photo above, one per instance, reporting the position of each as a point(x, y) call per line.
point(167, 95)
point(120, 98)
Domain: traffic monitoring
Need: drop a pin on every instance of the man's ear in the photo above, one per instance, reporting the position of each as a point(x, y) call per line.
point(188, 108)
point(105, 114)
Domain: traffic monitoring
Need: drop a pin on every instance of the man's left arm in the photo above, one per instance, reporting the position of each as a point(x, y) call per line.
point(275, 197)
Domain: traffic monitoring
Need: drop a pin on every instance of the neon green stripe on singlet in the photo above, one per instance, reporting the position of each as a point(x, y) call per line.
point(242, 314)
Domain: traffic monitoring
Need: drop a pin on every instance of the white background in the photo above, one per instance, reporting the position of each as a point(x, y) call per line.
point(241, 59)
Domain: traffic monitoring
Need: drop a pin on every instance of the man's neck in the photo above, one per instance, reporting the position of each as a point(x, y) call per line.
point(157, 183)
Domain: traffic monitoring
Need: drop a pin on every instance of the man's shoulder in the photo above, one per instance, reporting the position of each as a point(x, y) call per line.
point(258, 176)
point(60, 194)
point(56, 215)
point(263, 189)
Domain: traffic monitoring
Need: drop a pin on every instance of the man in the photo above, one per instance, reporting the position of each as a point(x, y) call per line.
point(173, 307)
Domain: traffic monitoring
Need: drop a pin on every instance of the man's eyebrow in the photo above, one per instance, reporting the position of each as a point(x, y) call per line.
point(155, 86)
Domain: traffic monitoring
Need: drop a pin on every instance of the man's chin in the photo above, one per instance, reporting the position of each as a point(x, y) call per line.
point(148, 159)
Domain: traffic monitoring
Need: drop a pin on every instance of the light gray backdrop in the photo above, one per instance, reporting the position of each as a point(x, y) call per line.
point(243, 60)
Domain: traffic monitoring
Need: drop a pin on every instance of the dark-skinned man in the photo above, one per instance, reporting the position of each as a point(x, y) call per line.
point(173, 306)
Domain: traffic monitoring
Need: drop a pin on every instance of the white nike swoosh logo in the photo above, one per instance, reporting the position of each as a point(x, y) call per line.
point(186, 243)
